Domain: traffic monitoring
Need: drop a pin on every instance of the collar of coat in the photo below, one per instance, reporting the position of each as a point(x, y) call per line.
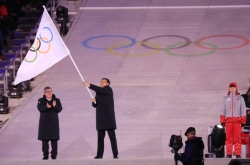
point(105, 86)
point(53, 97)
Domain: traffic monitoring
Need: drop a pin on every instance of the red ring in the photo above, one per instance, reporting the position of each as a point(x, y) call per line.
point(246, 41)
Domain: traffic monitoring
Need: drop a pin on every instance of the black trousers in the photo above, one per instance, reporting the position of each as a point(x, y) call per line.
point(45, 148)
point(100, 146)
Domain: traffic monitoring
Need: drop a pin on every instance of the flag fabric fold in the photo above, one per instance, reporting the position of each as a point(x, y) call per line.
point(47, 49)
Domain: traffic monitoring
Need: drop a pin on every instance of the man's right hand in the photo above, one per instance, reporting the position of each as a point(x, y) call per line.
point(49, 106)
point(86, 84)
point(94, 100)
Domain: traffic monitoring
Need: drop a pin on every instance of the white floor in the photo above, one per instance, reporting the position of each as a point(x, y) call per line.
point(156, 94)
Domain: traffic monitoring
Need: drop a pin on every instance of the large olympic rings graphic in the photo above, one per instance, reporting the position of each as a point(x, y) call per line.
point(213, 49)
point(39, 43)
point(246, 42)
point(86, 42)
point(200, 43)
point(188, 41)
point(156, 46)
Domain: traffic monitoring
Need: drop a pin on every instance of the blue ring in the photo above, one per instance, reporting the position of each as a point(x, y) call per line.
point(85, 42)
point(51, 35)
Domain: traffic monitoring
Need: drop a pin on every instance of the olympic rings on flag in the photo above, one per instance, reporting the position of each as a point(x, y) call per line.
point(34, 58)
point(156, 46)
point(50, 33)
point(38, 40)
point(48, 46)
point(213, 49)
point(86, 42)
point(246, 42)
point(188, 41)
point(39, 44)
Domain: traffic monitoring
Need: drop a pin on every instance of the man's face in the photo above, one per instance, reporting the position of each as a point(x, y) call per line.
point(103, 83)
point(48, 93)
point(232, 89)
point(190, 135)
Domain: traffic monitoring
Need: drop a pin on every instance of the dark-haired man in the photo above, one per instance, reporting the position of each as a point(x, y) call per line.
point(49, 107)
point(193, 154)
point(105, 115)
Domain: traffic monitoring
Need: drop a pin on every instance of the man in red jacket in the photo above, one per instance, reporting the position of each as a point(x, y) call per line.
point(233, 115)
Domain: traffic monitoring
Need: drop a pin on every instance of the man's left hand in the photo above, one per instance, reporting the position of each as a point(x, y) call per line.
point(54, 103)
point(86, 84)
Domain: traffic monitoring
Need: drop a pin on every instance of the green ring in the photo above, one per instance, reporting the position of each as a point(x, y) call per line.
point(34, 58)
point(214, 48)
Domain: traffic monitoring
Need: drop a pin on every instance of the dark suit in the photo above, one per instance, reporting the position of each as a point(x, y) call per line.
point(105, 117)
point(49, 124)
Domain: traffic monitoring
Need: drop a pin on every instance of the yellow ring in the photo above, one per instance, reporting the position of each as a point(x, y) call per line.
point(112, 47)
point(48, 47)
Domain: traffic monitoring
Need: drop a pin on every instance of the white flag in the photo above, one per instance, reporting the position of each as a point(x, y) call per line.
point(47, 49)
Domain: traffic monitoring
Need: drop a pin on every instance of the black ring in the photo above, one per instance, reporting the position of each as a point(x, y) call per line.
point(188, 42)
point(38, 46)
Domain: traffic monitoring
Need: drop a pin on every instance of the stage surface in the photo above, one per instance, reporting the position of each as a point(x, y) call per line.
point(169, 69)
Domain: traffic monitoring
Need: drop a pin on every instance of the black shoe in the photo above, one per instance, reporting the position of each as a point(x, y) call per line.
point(229, 156)
point(238, 156)
point(116, 157)
point(98, 157)
point(45, 158)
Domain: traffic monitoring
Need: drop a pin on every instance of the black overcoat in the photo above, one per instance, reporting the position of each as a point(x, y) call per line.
point(105, 113)
point(193, 151)
point(49, 121)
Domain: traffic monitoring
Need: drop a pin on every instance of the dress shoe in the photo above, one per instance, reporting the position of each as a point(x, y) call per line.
point(45, 158)
point(116, 157)
point(98, 157)
point(53, 157)
point(229, 156)
point(238, 156)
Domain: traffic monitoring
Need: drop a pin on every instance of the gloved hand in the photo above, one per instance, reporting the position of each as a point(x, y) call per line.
point(222, 124)
point(242, 125)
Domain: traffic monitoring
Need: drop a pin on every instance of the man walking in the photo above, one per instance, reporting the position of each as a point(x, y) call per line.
point(49, 107)
point(105, 115)
point(233, 115)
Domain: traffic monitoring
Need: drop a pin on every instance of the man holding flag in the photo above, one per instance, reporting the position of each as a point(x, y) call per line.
point(105, 116)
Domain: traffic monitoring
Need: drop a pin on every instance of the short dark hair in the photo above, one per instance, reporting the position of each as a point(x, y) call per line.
point(106, 80)
point(46, 89)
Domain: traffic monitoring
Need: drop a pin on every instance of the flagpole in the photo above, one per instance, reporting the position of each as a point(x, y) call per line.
point(69, 54)
point(80, 75)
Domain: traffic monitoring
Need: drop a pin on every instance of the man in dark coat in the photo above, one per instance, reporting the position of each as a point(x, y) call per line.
point(105, 115)
point(49, 107)
point(193, 154)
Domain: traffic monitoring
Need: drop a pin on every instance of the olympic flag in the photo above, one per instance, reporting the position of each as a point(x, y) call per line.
point(47, 49)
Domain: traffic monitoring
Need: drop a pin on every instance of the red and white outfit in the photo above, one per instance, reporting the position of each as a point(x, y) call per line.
point(233, 114)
